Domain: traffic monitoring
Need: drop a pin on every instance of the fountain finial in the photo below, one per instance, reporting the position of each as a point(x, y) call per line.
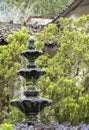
point(31, 44)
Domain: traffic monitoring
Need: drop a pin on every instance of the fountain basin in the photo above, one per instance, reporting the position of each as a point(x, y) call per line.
point(31, 106)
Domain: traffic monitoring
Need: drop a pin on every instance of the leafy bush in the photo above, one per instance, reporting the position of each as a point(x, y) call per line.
point(66, 82)
point(10, 62)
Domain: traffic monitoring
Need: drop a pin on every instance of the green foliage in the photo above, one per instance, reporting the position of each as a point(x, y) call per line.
point(47, 35)
point(6, 126)
point(10, 63)
point(18, 11)
point(66, 82)
point(40, 7)
point(14, 116)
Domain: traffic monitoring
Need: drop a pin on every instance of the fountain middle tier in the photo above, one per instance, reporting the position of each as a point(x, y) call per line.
point(31, 73)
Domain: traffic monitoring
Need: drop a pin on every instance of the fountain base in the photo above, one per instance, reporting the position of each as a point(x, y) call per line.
point(63, 126)
point(25, 126)
point(32, 120)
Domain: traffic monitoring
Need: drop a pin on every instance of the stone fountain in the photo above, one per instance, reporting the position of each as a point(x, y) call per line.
point(31, 104)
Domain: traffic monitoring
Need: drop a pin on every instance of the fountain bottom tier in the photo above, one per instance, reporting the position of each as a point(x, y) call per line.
point(31, 105)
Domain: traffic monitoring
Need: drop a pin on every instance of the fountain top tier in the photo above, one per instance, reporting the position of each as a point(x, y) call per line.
point(31, 54)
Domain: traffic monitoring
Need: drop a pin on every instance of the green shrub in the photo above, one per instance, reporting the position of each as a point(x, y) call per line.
point(6, 126)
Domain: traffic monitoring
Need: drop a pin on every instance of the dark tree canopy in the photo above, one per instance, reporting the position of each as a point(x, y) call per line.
point(22, 9)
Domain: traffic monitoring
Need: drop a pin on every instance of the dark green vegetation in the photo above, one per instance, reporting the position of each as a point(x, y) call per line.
point(40, 7)
point(18, 11)
point(66, 81)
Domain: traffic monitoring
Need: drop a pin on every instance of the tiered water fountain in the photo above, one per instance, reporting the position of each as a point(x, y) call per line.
point(32, 104)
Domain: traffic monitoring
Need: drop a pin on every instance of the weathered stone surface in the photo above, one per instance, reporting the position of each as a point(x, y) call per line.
point(51, 127)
